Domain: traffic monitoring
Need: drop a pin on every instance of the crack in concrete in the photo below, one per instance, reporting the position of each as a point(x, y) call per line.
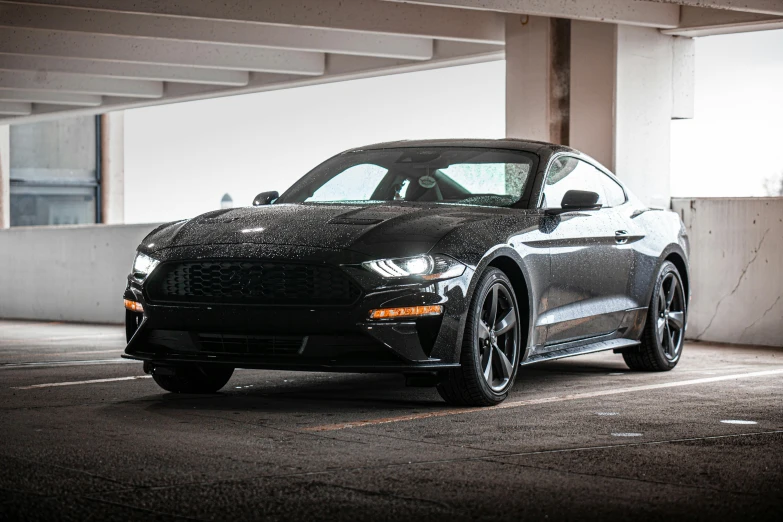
point(754, 323)
point(736, 287)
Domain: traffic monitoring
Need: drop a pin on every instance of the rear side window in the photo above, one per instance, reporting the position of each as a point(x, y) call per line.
point(615, 195)
point(568, 173)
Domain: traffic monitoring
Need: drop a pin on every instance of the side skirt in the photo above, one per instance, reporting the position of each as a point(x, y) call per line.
point(600, 346)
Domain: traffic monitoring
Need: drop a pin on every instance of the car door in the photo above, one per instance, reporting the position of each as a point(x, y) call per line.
point(589, 274)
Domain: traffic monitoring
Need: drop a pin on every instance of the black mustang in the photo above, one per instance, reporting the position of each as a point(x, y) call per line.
point(453, 262)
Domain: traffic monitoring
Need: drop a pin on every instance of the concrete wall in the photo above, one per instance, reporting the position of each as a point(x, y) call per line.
point(736, 269)
point(68, 273)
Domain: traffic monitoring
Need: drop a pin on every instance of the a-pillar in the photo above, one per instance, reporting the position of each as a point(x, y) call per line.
point(5, 177)
point(112, 128)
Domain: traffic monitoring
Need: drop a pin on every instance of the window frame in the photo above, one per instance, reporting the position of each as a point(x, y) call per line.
point(600, 168)
point(614, 180)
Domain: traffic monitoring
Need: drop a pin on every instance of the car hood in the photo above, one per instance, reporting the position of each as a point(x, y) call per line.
point(374, 230)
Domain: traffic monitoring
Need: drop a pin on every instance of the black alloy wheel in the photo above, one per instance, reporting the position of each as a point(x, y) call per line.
point(664, 333)
point(670, 322)
point(491, 346)
point(496, 337)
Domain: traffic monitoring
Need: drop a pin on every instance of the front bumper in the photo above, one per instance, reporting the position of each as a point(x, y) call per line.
point(305, 337)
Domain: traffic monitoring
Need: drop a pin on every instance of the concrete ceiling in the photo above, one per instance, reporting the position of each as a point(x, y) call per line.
point(66, 57)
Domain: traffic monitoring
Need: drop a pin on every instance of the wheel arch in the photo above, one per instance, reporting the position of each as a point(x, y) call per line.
point(514, 273)
point(677, 260)
point(508, 261)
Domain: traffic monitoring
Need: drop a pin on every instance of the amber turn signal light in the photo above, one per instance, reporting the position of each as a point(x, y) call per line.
point(408, 311)
point(133, 306)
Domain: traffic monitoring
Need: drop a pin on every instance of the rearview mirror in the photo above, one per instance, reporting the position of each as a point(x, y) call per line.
point(577, 200)
point(265, 198)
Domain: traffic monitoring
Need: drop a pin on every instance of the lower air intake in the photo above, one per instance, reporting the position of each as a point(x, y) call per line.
point(274, 345)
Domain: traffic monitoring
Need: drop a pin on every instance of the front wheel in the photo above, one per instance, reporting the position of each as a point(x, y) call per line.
point(664, 333)
point(192, 378)
point(490, 346)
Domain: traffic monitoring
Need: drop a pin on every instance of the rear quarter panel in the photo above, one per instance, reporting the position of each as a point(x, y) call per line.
point(663, 235)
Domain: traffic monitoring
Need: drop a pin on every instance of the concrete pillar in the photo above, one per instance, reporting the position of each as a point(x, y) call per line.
point(593, 89)
point(643, 111)
point(608, 90)
point(537, 69)
point(683, 78)
point(625, 81)
point(5, 176)
point(113, 168)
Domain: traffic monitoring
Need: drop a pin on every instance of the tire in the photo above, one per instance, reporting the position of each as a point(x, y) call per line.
point(489, 357)
point(192, 378)
point(664, 332)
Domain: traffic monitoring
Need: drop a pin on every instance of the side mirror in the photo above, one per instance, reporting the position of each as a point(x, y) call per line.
point(265, 198)
point(577, 200)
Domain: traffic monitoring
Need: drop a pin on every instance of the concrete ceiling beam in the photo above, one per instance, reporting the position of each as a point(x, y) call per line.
point(697, 21)
point(15, 108)
point(340, 68)
point(79, 83)
point(140, 71)
point(144, 50)
point(366, 16)
point(631, 12)
point(771, 7)
point(57, 18)
point(54, 98)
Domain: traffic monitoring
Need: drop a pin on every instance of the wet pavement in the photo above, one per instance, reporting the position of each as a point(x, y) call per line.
point(86, 435)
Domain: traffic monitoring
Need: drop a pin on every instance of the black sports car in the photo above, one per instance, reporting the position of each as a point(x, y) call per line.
point(453, 262)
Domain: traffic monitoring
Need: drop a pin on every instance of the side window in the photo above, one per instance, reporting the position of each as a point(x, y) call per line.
point(615, 195)
point(571, 174)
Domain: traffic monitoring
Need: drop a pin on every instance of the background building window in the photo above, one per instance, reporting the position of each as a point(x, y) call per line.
point(55, 179)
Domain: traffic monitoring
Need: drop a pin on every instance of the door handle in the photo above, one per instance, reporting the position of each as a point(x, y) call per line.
point(621, 236)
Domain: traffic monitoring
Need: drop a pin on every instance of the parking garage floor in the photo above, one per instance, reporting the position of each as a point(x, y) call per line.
point(86, 435)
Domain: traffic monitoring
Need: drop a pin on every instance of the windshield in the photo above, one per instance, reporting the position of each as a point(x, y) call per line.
point(466, 176)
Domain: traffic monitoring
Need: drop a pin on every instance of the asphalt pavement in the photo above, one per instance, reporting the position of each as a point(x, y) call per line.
point(85, 435)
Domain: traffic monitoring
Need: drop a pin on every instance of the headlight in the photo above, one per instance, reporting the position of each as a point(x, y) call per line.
point(143, 266)
point(425, 266)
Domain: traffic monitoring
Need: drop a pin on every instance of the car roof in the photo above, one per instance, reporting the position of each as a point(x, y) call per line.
point(536, 147)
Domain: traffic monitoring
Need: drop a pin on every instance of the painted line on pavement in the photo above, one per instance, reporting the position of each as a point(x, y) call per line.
point(74, 383)
point(59, 354)
point(8, 325)
point(52, 364)
point(35, 340)
point(544, 400)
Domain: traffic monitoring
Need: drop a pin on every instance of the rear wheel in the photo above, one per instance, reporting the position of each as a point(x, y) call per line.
point(490, 346)
point(664, 333)
point(193, 378)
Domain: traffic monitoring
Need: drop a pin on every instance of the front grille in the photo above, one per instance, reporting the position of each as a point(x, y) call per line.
point(251, 344)
point(251, 282)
